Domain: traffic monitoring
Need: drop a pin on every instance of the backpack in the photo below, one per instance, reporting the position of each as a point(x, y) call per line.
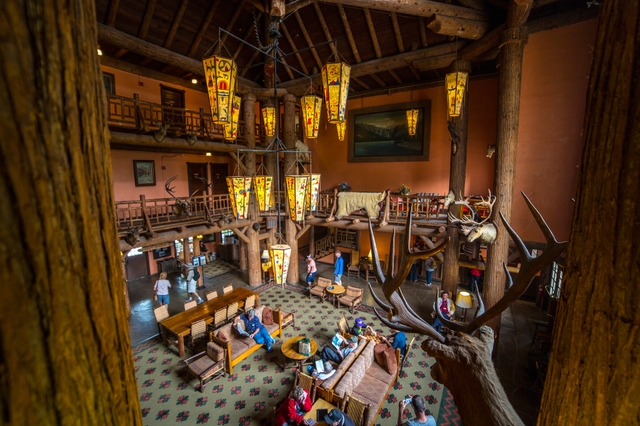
point(196, 274)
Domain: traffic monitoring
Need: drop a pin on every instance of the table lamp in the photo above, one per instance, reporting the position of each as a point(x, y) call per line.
point(465, 302)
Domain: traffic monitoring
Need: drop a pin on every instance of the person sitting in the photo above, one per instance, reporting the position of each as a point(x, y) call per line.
point(335, 355)
point(337, 418)
point(398, 340)
point(328, 372)
point(292, 410)
point(255, 329)
point(446, 307)
point(422, 419)
point(358, 327)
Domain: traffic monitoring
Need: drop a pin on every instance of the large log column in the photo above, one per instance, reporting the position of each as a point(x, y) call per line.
point(253, 247)
point(512, 42)
point(457, 175)
point(290, 167)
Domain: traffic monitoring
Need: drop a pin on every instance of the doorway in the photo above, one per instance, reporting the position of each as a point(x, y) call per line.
point(219, 173)
point(173, 102)
point(136, 264)
point(195, 171)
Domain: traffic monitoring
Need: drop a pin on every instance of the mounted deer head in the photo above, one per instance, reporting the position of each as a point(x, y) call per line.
point(133, 235)
point(463, 360)
point(161, 133)
point(471, 227)
point(180, 206)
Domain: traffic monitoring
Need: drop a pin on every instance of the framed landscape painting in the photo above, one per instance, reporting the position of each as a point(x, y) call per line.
point(382, 133)
point(144, 172)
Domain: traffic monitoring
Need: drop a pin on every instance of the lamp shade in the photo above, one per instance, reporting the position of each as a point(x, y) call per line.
point(456, 84)
point(280, 253)
point(231, 128)
point(239, 190)
point(297, 194)
point(313, 192)
point(221, 75)
point(342, 129)
point(262, 187)
point(335, 83)
point(311, 106)
point(412, 121)
point(269, 120)
point(464, 300)
point(265, 255)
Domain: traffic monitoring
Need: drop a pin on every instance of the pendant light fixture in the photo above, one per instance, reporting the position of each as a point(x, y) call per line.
point(221, 76)
point(335, 83)
point(311, 106)
point(412, 121)
point(263, 188)
point(280, 255)
point(296, 195)
point(341, 127)
point(231, 128)
point(456, 85)
point(239, 191)
point(313, 192)
point(269, 119)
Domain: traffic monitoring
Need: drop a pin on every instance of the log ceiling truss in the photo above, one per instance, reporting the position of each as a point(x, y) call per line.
point(391, 44)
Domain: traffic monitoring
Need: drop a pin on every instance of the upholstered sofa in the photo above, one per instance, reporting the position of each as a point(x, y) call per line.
point(237, 347)
point(342, 368)
point(367, 381)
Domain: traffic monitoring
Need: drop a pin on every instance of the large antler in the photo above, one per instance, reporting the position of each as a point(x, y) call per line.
point(180, 207)
point(205, 184)
point(400, 315)
point(529, 268)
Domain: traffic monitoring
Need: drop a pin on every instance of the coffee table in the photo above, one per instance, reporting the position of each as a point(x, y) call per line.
point(290, 351)
point(336, 291)
point(320, 403)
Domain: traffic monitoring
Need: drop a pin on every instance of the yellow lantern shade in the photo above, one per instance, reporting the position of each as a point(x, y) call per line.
point(456, 84)
point(280, 255)
point(342, 129)
point(296, 194)
point(313, 192)
point(262, 187)
point(335, 82)
point(311, 106)
point(412, 121)
point(269, 120)
point(231, 128)
point(239, 190)
point(221, 76)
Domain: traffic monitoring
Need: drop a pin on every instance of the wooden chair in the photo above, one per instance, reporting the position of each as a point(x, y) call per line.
point(320, 289)
point(406, 354)
point(161, 313)
point(190, 305)
point(307, 383)
point(212, 295)
point(207, 365)
point(232, 311)
point(198, 332)
point(354, 266)
point(284, 318)
point(227, 289)
point(357, 410)
point(219, 317)
point(352, 298)
point(249, 303)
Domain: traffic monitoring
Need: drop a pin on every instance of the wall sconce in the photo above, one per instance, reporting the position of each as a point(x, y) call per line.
point(456, 84)
point(465, 302)
point(342, 129)
point(313, 192)
point(221, 76)
point(280, 253)
point(269, 119)
point(239, 190)
point(412, 121)
point(297, 194)
point(265, 256)
point(335, 82)
point(262, 187)
point(311, 106)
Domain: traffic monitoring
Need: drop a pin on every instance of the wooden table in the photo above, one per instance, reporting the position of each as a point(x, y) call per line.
point(336, 291)
point(320, 403)
point(180, 324)
point(290, 350)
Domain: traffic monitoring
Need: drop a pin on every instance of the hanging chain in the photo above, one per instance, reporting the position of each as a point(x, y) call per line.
point(255, 28)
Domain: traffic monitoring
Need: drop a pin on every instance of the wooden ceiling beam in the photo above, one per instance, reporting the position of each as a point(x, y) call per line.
point(325, 28)
point(378, 80)
point(487, 42)
point(347, 29)
point(203, 28)
point(246, 67)
point(395, 76)
point(293, 6)
point(423, 31)
point(435, 62)
point(518, 14)
point(474, 4)
point(287, 69)
point(308, 39)
point(293, 46)
point(120, 53)
point(139, 140)
point(245, 37)
point(360, 82)
point(145, 61)
point(146, 20)
point(458, 27)
point(175, 24)
point(396, 30)
point(416, 8)
point(232, 22)
point(372, 33)
point(160, 54)
point(112, 13)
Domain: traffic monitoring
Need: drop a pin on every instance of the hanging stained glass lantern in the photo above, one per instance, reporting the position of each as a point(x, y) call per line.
point(239, 191)
point(231, 128)
point(269, 119)
point(313, 192)
point(412, 121)
point(221, 76)
point(342, 129)
point(262, 187)
point(280, 255)
point(335, 82)
point(296, 195)
point(456, 85)
point(311, 106)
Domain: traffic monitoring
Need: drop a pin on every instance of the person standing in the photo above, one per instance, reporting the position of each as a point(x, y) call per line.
point(191, 285)
point(311, 270)
point(475, 279)
point(446, 307)
point(398, 340)
point(415, 266)
point(338, 268)
point(161, 288)
point(422, 419)
point(431, 266)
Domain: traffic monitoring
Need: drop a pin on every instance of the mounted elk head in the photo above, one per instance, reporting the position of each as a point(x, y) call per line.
point(161, 133)
point(133, 235)
point(463, 360)
point(471, 227)
point(180, 206)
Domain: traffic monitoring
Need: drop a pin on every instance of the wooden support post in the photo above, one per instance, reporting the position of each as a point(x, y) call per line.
point(253, 244)
point(289, 139)
point(312, 241)
point(196, 252)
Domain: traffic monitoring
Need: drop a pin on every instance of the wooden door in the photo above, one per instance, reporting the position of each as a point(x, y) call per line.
point(195, 171)
point(136, 266)
point(219, 173)
point(173, 101)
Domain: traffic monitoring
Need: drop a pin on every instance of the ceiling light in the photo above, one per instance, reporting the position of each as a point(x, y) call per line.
point(194, 80)
point(208, 154)
point(99, 52)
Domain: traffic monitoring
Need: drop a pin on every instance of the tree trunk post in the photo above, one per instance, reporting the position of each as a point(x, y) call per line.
point(457, 176)
point(253, 248)
point(290, 167)
point(196, 252)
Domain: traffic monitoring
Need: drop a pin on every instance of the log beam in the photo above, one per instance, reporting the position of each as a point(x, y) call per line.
point(415, 8)
point(141, 141)
point(458, 27)
point(175, 24)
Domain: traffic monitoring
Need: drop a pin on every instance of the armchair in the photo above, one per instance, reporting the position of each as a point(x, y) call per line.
point(320, 289)
point(354, 265)
point(207, 365)
point(352, 298)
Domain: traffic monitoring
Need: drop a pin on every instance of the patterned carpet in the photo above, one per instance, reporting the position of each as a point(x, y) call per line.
point(217, 267)
point(248, 396)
